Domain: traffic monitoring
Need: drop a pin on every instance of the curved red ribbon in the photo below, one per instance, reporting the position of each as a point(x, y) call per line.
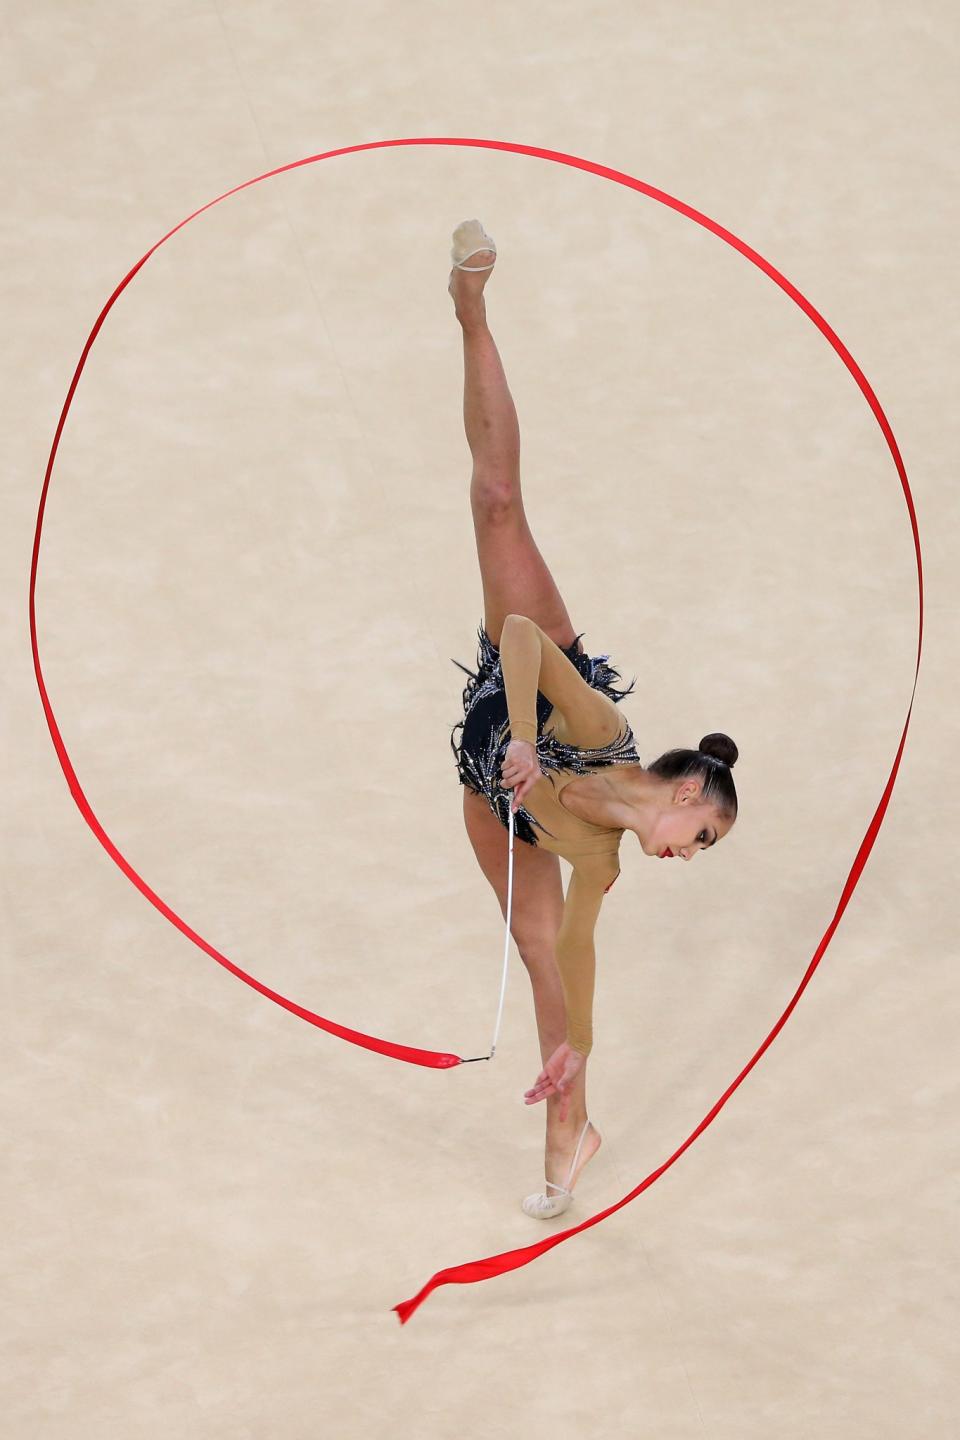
point(492, 1265)
point(511, 1259)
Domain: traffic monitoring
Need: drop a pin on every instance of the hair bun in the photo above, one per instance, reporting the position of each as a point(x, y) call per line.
point(719, 747)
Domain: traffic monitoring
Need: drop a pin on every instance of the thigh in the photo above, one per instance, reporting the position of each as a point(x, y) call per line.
point(537, 909)
point(515, 576)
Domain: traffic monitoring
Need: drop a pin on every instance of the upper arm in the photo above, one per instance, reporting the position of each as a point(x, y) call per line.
point(589, 718)
point(590, 879)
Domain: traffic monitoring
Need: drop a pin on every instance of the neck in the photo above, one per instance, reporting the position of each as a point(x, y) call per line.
point(642, 793)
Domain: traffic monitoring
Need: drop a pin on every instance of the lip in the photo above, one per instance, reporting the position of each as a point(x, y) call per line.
point(667, 854)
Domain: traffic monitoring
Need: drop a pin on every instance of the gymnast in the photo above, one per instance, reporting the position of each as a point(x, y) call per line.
point(541, 721)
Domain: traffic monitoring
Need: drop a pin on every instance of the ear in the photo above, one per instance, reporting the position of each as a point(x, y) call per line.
point(689, 790)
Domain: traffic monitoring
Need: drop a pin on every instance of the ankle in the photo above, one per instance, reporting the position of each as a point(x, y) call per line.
point(561, 1133)
point(472, 315)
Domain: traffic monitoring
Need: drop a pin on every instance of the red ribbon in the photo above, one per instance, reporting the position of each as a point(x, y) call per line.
point(492, 1265)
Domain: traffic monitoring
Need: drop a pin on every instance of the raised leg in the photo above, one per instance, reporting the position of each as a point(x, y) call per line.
point(514, 574)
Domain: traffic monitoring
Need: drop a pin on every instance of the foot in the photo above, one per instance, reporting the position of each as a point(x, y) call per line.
point(559, 1152)
point(466, 286)
point(555, 1198)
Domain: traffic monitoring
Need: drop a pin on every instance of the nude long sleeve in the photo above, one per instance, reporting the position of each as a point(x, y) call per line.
point(531, 661)
point(576, 952)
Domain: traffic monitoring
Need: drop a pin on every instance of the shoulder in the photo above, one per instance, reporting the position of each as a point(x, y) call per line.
point(598, 872)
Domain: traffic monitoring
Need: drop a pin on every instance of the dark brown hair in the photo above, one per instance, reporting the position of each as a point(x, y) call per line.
point(711, 763)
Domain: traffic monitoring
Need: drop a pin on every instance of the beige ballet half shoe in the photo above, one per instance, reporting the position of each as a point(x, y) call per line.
point(542, 1206)
point(469, 238)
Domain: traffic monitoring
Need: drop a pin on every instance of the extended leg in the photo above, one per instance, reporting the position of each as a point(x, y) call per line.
point(514, 574)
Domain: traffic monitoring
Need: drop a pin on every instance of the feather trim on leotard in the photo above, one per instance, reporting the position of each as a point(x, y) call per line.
point(479, 764)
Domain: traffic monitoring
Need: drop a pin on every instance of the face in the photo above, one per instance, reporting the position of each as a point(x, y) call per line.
point(685, 826)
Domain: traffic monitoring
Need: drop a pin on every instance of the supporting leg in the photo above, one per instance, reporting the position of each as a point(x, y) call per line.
point(534, 924)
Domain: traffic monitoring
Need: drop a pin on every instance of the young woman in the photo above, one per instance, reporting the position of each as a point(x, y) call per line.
point(541, 721)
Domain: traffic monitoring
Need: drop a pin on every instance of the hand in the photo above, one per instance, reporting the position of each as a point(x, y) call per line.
point(520, 770)
point(557, 1077)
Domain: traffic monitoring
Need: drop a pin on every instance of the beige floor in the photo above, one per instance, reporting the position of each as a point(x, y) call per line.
point(257, 562)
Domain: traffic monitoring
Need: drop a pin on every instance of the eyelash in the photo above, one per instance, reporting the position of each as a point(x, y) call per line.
point(702, 835)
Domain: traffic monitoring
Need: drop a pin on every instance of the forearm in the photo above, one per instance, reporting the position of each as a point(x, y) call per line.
point(575, 951)
point(577, 976)
point(520, 658)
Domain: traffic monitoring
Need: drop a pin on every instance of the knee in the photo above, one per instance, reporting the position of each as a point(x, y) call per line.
point(495, 493)
point(539, 957)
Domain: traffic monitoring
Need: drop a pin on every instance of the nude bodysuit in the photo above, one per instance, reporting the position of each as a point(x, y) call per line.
point(585, 718)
